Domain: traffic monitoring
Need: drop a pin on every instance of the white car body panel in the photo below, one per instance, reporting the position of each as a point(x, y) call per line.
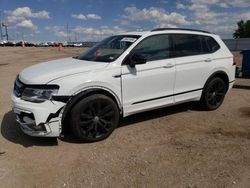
point(103, 79)
point(152, 80)
point(191, 74)
point(43, 73)
point(147, 86)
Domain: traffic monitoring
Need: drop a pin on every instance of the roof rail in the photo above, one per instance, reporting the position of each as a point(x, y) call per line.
point(183, 29)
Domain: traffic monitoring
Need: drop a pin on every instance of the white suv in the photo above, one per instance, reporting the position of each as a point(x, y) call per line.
point(122, 75)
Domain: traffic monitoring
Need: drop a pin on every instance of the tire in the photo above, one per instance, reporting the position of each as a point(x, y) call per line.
point(94, 118)
point(213, 94)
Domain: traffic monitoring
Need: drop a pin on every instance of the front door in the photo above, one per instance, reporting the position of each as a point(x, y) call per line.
point(150, 85)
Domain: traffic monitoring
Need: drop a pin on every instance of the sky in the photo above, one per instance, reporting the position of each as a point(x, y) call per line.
point(93, 20)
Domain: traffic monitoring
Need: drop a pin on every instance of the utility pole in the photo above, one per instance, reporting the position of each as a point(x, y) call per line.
point(34, 35)
point(22, 36)
point(75, 36)
point(6, 33)
point(17, 36)
point(1, 32)
point(68, 33)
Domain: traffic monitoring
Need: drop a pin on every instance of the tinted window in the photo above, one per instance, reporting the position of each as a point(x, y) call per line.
point(186, 45)
point(209, 45)
point(154, 47)
point(205, 48)
point(212, 44)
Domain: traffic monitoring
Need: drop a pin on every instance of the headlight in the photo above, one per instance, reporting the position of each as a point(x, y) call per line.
point(38, 95)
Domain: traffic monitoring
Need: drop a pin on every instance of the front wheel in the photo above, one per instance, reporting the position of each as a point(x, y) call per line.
point(213, 94)
point(94, 118)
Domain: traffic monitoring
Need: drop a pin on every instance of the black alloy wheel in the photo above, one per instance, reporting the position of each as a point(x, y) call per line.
point(94, 118)
point(214, 94)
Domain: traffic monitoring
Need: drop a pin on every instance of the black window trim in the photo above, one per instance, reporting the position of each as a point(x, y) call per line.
point(171, 45)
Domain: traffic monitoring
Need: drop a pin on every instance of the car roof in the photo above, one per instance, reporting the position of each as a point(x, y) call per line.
point(169, 30)
point(140, 33)
point(179, 29)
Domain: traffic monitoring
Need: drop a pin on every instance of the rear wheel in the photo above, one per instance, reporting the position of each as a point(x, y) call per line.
point(94, 118)
point(213, 94)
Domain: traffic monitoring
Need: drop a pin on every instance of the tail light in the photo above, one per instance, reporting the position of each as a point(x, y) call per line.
point(234, 60)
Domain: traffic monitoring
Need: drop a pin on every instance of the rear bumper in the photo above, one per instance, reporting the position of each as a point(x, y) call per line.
point(38, 119)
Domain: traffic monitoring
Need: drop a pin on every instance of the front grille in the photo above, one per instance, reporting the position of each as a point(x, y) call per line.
point(18, 87)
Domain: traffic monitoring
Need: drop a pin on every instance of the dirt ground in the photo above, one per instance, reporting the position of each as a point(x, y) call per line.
point(178, 146)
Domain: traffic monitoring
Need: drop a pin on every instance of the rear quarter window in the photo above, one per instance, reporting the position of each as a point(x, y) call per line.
point(209, 44)
point(213, 45)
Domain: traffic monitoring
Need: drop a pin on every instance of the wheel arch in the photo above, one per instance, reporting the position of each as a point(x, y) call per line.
point(221, 74)
point(85, 93)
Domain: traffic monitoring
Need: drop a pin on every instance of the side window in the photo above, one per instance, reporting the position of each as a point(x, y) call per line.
point(205, 47)
point(154, 47)
point(209, 45)
point(212, 44)
point(186, 45)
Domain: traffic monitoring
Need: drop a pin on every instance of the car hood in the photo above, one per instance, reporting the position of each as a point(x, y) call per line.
point(45, 72)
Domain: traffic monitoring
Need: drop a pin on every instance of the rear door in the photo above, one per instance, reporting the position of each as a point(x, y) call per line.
point(194, 63)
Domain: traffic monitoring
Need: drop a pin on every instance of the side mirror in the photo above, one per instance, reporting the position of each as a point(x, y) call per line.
point(137, 59)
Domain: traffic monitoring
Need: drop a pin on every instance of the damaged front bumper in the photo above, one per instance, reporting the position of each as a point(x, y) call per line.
point(38, 119)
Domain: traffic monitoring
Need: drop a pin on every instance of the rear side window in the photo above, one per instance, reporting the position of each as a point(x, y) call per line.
point(209, 44)
point(212, 44)
point(186, 45)
point(205, 47)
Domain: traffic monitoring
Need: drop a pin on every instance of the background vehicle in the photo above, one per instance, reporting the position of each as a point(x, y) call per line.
point(42, 44)
point(123, 75)
point(2, 42)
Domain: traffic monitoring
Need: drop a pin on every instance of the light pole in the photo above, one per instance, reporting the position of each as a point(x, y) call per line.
point(1, 32)
point(6, 33)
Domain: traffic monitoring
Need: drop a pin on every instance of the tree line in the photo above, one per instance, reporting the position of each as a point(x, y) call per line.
point(243, 30)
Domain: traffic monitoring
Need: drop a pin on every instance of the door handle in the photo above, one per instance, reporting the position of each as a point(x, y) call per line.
point(208, 60)
point(169, 65)
point(117, 75)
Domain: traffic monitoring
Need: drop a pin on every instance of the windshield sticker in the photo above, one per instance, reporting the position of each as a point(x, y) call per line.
point(128, 39)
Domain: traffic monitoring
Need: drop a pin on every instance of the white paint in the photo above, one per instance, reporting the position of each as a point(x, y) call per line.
point(132, 87)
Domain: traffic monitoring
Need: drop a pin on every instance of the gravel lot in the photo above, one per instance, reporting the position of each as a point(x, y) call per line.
point(178, 146)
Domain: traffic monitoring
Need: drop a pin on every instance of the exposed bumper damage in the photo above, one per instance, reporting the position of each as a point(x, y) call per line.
point(39, 119)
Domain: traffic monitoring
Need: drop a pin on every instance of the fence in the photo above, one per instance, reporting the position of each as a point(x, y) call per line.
point(237, 44)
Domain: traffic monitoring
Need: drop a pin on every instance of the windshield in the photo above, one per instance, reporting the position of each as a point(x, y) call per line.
point(109, 49)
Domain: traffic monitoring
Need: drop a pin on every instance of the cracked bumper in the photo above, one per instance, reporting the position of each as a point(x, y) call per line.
point(38, 119)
